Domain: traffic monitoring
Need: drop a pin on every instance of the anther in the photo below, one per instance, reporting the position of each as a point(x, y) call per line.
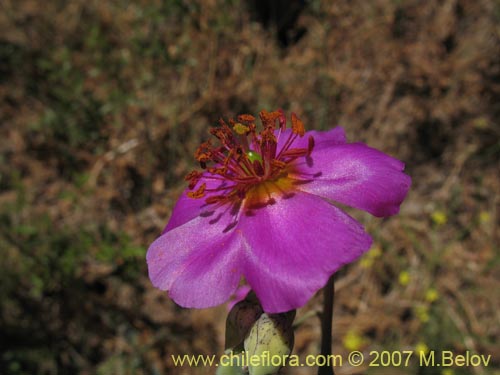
point(193, 178)
point(246, 118)
point(198, 193)
point(297, 125)
point(269, 119)
point(214, 199)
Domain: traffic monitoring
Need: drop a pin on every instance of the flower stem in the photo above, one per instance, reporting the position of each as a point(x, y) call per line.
point(326, 326)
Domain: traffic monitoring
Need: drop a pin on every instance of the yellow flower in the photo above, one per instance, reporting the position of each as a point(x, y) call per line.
point(422, 313)
point(375, 252)
point(439, 217)
point(353, 341)
point(404, 278)
point(431, 295)
point(421, 348)
point(366, 262)
point(370, 256)
point(481, 123)
point(484, 217)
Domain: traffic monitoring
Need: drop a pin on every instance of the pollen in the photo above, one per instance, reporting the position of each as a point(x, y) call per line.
point(241, 129)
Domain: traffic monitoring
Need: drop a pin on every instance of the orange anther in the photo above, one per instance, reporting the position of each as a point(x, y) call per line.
point(198, 193)
point(297, 125)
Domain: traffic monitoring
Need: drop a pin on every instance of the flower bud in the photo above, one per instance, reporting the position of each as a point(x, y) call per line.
point(240, 320)
point(273, 334)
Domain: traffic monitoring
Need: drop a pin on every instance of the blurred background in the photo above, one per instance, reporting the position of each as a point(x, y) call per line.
point(102, 104)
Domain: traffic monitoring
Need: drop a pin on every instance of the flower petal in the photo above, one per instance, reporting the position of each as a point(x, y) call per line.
point(238, 296)
point(356, 175)
point(197, 262)
point(293, 246)
point(187, 209)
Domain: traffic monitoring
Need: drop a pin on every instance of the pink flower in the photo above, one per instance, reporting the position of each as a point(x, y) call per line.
point(262, 210)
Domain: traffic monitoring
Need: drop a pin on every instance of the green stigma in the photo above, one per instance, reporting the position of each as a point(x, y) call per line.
point(254, 156)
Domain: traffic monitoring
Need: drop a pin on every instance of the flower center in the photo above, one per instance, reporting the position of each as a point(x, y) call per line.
point(248, 164)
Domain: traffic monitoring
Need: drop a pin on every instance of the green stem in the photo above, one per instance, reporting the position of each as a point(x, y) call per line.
point(326, 326)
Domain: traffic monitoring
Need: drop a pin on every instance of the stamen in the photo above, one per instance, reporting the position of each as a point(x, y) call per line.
point(198, 193)
point(269, 119)
point(258, 167)
point(278, 164)
point(282, 120)
point(295, 152)
point(291, 138)
point(242, 131)
point(246, 162)
point(193, 177)
point(297, 125)
point(246, 118)
point(215, 199)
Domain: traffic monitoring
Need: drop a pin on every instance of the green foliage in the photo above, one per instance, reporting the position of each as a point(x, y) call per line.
point(41, 264)
point(43, 258)
point(73, 114)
